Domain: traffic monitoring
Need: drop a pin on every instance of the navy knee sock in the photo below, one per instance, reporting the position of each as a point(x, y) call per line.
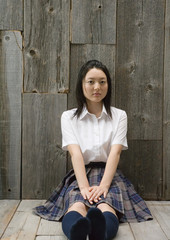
point(75, 226)
point(112, 225)
point(98, 224)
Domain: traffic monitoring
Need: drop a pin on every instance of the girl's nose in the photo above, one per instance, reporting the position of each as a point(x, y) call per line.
point(97, 85)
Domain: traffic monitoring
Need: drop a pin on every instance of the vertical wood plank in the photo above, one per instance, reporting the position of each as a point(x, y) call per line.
point(10, 113)
point(82, 53)
point(11, 15)
point(46, 41)
point(44, 162)
point(166, 121)
point(139, 66)
point(94, 21)
point(142, 164)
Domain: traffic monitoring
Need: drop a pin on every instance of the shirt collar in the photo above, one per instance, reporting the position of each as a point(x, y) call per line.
point(85, 112)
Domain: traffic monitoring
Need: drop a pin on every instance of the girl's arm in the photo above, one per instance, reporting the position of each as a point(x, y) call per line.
point(110, 169)
point(79, 170)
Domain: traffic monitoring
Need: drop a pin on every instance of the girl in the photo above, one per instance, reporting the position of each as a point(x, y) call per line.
point(95, 196)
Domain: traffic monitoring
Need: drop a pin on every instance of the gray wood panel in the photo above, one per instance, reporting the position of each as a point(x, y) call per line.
point(139, 66)
point(142, 164)
point(166, 120)
point(11, 15)
point(43, 161)
point(46, 42)
point(94, 21)
point(82, 53)
point(11, 72)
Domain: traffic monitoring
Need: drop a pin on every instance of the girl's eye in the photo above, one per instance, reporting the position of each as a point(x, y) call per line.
point(91, 82)
point(103, 82)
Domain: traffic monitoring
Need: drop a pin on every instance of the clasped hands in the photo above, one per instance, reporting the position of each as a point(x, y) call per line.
point(93, 194)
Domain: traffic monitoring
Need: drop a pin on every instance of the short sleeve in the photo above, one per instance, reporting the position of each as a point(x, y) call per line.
point(120, 137)
point(67, 129)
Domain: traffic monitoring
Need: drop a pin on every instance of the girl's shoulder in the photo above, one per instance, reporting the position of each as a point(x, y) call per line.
point(68, 113)
point(117, 111)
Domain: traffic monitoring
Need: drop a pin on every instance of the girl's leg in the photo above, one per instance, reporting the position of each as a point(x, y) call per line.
point(112, 222)
point(98, 224)
point(74, 225)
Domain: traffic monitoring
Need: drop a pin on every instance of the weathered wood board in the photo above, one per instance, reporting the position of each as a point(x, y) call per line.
point(11, 15)
point(7, 210)
point(82, 53)
point(93, 21)
point(162, 213)
point(166, 120)
point(11, 74)
point(124, 232)
point(142, 164)
point(49, 228)
point(46, 46)
point(51, 238)
point(43, 161)
point(139, 66)
point(23, 226)
point(26, 226)
point(148, 230)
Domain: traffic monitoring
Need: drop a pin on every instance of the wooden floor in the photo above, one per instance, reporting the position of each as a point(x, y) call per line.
point(18, 223)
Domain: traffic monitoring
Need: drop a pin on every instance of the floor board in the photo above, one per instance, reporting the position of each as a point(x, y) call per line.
point(7, 210)
point(18, 223)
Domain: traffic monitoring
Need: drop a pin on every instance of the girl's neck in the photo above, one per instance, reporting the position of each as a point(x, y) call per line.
point(95, 108)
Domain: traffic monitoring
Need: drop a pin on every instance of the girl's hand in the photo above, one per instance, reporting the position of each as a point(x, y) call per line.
point(97, 191)
point(86, 194)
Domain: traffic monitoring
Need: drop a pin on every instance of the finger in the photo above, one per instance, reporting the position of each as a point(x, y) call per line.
point(96, 195)
point(90, 189)
point(90, 201)
point(84, 196)
point(104, 194)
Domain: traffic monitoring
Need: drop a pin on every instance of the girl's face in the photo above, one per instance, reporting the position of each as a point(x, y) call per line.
point(95, 85)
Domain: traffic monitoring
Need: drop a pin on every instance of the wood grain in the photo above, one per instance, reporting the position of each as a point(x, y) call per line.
point(44, 162)
point(11, 15)
point(139, 66)
point(94, 21)
point(141, 163)
point(46, 46)
point(166, 120)
point(11, 74)
point(7, 210)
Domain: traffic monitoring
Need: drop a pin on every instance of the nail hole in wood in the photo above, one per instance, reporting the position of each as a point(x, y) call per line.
point(32, 52)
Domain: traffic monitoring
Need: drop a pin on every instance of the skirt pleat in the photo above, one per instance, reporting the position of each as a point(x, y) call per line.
point(129, 206)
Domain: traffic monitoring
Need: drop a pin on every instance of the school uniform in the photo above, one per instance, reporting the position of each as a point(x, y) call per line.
point(95, 136)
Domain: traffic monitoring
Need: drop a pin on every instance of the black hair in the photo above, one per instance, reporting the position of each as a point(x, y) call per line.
point(81, 100)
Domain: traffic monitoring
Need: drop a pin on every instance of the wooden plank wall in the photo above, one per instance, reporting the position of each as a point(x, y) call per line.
point(10, 113)
point(42, 46)
point(166, 109)
point(139, 71)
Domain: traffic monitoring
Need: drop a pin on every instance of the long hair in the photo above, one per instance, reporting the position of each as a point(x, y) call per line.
point(81, 100)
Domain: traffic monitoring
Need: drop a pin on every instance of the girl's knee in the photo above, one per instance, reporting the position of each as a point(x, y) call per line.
point(79, 207)
point(105, 207)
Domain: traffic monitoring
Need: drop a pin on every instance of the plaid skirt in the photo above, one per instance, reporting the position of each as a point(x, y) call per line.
point(129, 206)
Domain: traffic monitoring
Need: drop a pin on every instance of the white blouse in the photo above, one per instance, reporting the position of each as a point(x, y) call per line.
point(95, 136)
